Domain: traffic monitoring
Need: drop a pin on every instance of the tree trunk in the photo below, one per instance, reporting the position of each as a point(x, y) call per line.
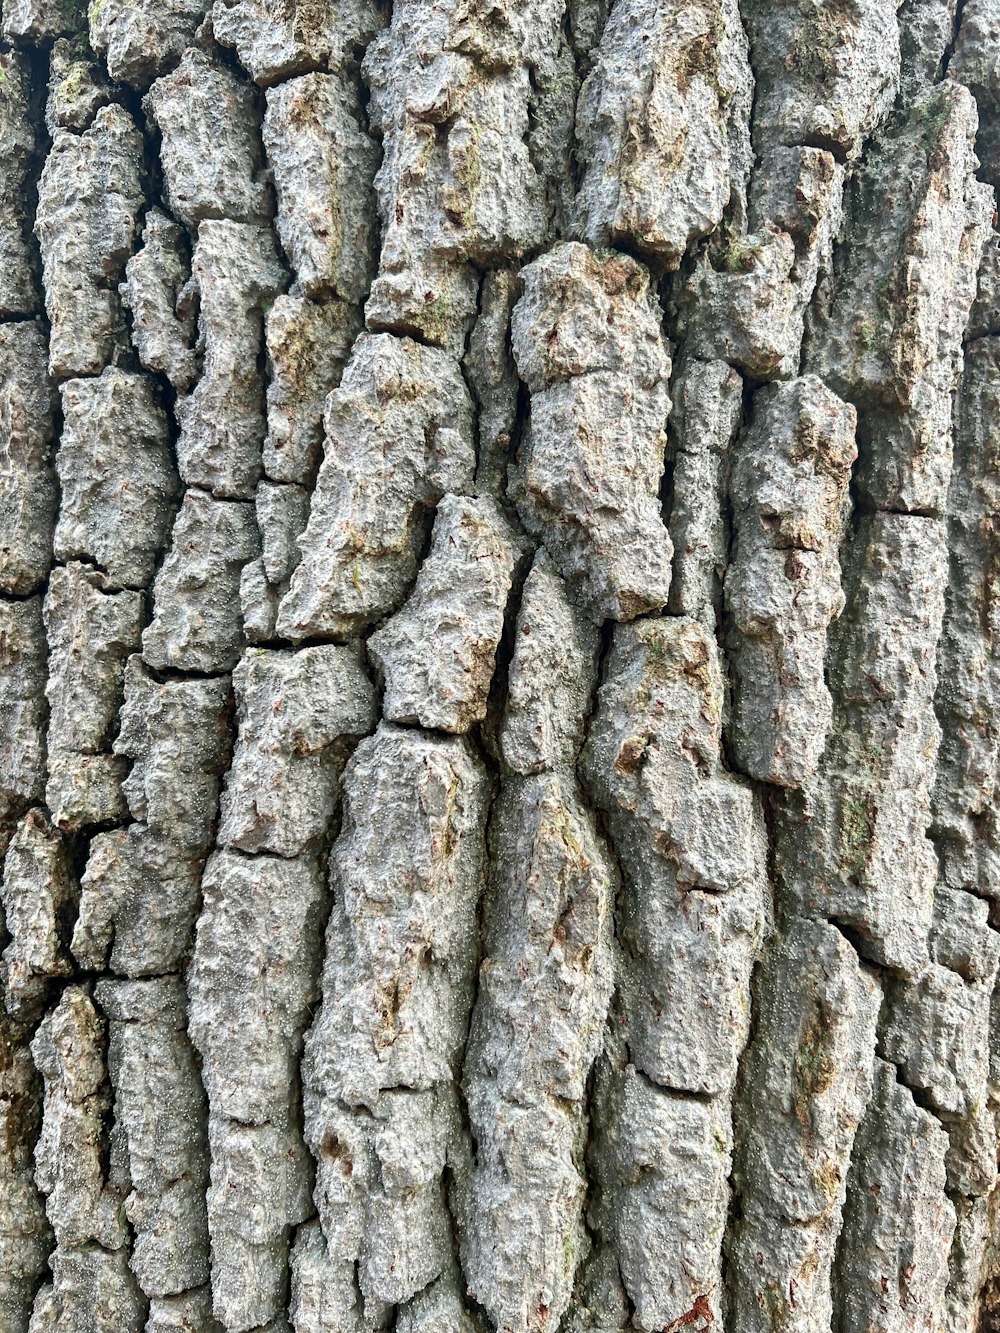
point(500, 571)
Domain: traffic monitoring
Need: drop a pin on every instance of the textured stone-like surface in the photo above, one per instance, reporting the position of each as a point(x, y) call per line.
point(452, 98)
point(964, 803)
point(656, 138)
point(790, 474)
point(18, 146)
point(703, 427)
point(551, 677)
point(90, 632)
point(899, 359)
point(22, 707)
point(853, 845)
point(210, 152)
point(34, 20)
point(158, 296)
point(37, 891)
point(25, 1239)
point(587, 341)
point(89, 198)
point(308, 343)
point(543, 994)
point(235, 272)
point(689, 844)
point(323, 164)
point(80, 1203)
point(438, 652)
point(825, 74)
point(898, 1225)
point(78, 88)
point(807, 1084)
point(196, 610)
point(276, 38)
point(298, 715)
point(662, 1160)
point(91, 1288)
point(398, 436)
point(742, 305)
point(159, 1109)
point(138, 41)
point(27, 480)
point(117, 480)
point(176, 735)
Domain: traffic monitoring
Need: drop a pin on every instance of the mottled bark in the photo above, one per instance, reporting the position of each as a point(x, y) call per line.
point(499, 666)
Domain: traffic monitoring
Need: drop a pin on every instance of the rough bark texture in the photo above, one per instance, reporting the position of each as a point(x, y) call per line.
point(499, 666)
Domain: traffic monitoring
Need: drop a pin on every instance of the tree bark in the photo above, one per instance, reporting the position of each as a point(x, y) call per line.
point(499, 585)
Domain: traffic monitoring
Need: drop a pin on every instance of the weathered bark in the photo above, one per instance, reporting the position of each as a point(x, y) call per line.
point(499, 666)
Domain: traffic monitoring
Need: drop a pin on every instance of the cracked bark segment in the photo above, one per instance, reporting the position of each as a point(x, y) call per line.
point(308, 344)
point(196, 623)
point(159, 1133)
point(892, 1262)
point(917, 225)
point(808, 1079)
point(158, 293)
point(707, 413)
point(662, 1161)
point(801, 192)
point(235, 271)
point(405, 874)
point(552, 675)
point(252, 981)
point(22, 708)
point(438, 652)
point(37, 892)
point(323, 164)
point(139, 898)
point(77, 89)
point(789, 487)
point(91, 1288)
point(89, 198)
point(382, 1207)
point(824, 75)
point(936, 1029)
point(282, 514)
point(962, 939)
point(116, 475)
point(451, 90)
point(32, 21)
point(965, 794)
point(974, 63)
point(741, 305)
point(671, 86)
point(298, 716)
point(587, 340)
point(398, 437)
point(276, 38)
point(190, 1312)
point(688, 838)
point(537, 1026)
point(25, 1239)
point(853, 846)
point(265, 1163)
point(210, 152)
point(138, 41)
point(67, 1050)
point(18, 146)
point(28, 498)
point(177, 736)
point(90, 632)
point(926, 39)
point(492, 376)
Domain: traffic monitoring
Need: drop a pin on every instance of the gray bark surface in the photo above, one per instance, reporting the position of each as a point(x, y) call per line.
point(499, 666)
